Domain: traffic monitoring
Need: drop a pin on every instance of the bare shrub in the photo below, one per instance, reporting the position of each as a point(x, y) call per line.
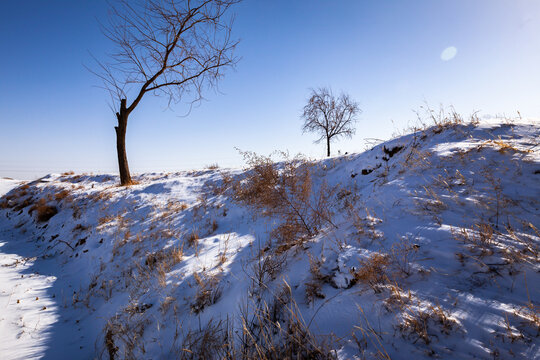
point(44, 212)
point(402, 254)
point(285, 190)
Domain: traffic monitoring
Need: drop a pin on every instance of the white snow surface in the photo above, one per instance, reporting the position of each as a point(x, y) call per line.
point(456, 212)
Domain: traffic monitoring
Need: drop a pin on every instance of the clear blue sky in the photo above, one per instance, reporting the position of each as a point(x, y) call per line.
point(385, 54)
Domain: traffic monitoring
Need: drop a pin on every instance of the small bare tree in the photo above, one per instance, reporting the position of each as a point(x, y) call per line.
point(329, 116)
point(172, 47)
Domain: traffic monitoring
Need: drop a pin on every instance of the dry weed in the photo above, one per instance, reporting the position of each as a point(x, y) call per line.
point(208, 291)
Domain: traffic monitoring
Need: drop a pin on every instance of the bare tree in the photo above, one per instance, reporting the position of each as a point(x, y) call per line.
point(176, 48)
point(329, 116)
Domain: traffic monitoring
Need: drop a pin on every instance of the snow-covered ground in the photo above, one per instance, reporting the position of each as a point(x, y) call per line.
point(425, 246)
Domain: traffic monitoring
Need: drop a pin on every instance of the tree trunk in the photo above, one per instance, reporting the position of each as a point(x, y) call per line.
point(327, 146)
point(122, 116)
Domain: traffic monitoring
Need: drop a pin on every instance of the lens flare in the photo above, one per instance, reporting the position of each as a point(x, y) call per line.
point(449, 53)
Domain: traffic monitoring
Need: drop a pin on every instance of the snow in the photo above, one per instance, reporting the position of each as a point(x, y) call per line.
point(123, 256)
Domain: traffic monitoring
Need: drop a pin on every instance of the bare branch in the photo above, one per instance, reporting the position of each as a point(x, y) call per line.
point(178, 47)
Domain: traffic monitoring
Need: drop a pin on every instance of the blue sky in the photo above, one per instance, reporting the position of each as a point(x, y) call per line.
point(385, 54)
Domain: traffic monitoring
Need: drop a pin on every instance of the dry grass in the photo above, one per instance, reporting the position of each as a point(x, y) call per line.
point(44, 212)
point(213, 341)
point(61, 195)
point(165, 258)
point(373, 271)
point(18, 199)
point(402, 254)
point(213, 166)
point(503, 146)
point(193, 238)
point(318, 279)
point(266, 268)
point(278, 331)
point(208, 291)
point(106, 219)
point(422, 324)
point(365, 336)
point(123, 337)
point(366, 226)
point(222, 256)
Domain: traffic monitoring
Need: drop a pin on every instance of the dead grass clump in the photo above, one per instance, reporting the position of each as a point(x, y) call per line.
point(318, 279)
point(442, 119)
point(18, 199)
point(422, 325)
point(23, 204)
point(193, 238)
point(166, 304)
point(286, 191)
point(166, 258)
point(265, 269)
point(80, 227)
point(397, 299)
point(373, 271)
point(182, 206)
point(106, 219)
point(213, 166)
point(101, 195)
point(525, 241)
point(280, 332)
point(213, 341)
point(61, 195)
point(403, 253)
point(365, 226)
point(530, 318)
point(429, 201)
point(222, 256)
point(123, 337)
point(208, 291)
point(503, 146)
point(44, 212)
point(480, 238)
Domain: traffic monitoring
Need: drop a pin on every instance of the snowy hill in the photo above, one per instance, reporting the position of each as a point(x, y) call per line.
point(425, 246)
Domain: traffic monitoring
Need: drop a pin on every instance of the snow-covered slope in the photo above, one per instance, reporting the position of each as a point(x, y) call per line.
point(424, 246)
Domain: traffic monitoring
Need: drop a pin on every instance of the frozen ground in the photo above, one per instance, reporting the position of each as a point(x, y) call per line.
point(425, 246)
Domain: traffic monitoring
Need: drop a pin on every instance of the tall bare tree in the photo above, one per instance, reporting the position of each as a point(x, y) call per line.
point(331, 117)
point(176, 48)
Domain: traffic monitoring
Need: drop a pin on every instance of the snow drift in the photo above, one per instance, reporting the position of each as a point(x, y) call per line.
point(424, 246)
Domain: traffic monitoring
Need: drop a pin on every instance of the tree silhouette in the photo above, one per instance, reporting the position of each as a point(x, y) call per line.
point(176, 48)
point(329, 116)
